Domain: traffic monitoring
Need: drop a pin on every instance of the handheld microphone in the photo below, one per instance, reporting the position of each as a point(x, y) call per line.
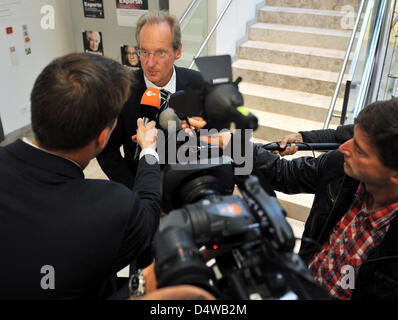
point(150, 106)
point(322, 147)
point(168, 120)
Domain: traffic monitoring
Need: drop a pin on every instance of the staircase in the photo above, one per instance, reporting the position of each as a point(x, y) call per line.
point(290, 65)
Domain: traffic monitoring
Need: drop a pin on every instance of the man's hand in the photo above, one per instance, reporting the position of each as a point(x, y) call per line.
point(147, 135)
point(221, 139)
point(195, 123)
point(182, 292)
point(291, 138)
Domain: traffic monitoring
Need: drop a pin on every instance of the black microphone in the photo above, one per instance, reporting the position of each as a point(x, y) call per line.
point(150, 106)
point(322, 147)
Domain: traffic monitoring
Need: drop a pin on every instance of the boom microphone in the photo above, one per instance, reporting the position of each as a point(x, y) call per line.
point(322, 147)
point(150, 106)
point(168, 120)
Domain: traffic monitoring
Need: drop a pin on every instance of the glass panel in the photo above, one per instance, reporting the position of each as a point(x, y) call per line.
point(357, 70)
point(389, 83)
point(194, 32)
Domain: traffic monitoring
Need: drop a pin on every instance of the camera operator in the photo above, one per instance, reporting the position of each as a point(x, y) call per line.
point(62, 236)
point(352, 223)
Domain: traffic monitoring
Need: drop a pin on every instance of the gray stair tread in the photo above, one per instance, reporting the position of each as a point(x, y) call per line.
point(302, 199)
point(291, 71)
point(314, 51)
point(298, 97)
point(284, 122)
point(333, 13)
point(290, 28)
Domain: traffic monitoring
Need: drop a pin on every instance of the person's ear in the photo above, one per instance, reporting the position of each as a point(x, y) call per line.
point(104, 136)
point(394, 178)
point(178, 53)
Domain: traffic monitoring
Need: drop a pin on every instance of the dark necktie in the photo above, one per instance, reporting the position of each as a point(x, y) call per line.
point(164, 96)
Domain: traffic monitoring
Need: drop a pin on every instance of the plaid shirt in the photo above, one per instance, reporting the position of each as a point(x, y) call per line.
point(351, 240)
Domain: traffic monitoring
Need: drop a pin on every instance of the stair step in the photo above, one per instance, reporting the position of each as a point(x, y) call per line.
point(336, 5)
point(284, 122)
point(288, 102)
point(307, 17)
point(298, 230)
point(297, 206)
point(289, 77)
point(273, 126)
point(294, 55)
point(302, 36)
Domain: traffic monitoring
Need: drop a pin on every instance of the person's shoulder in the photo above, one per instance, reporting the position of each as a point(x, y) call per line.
point(332, 162)
point(188, 72)
point(137, 88)
point(137, 79)
point(189, 77)
point(111, 193)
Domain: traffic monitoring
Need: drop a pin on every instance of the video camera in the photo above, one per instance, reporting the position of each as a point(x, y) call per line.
point(252, 241)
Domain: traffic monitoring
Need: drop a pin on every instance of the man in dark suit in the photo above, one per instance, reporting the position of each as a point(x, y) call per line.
point(61, 236)
point(159, 42)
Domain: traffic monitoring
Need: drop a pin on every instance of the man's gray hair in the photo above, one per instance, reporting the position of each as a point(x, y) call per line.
point(155, 17)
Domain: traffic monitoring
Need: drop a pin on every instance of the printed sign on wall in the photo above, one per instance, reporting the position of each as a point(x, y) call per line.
point(93, 42)
point(130, 57)
point(129, 11)
point(93, 9)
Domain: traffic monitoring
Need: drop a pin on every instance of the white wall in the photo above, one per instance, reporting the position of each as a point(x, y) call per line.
point(234, 26)
point(16, 82)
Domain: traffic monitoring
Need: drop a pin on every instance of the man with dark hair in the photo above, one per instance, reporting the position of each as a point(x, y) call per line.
point(352, 225)
point(62, 236)
point(159, 46)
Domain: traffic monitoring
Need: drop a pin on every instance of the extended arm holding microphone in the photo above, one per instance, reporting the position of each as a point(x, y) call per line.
point(276, 146)
point(150, 106)
point(338, 136)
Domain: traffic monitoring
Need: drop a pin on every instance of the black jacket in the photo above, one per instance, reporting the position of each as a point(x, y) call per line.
point(334, 192)
point(87, 230)
point(123, 169)
point(339, 135)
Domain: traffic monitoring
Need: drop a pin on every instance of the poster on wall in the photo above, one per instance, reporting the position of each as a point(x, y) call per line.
point(93, 9)
point(129, 11)
point(130, 57)
point(92, 41)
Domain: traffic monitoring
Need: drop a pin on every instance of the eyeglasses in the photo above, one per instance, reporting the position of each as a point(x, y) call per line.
point(131, 54)
point(161, 55)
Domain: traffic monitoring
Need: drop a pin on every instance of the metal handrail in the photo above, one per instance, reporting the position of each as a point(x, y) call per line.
point(187, 11)
point(344, 67)
point(370, 62)
point(360, 40)
point(204, 44)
